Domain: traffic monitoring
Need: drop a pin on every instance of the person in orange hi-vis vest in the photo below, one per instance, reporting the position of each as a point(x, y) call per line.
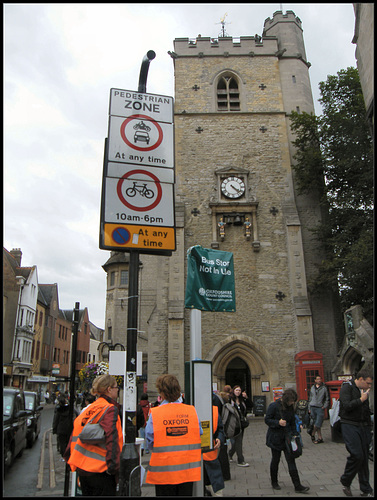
point(98, 464)
point(213, 476)
point(173, 435)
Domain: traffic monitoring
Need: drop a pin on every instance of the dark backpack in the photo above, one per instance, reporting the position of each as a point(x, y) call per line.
point(231, 421)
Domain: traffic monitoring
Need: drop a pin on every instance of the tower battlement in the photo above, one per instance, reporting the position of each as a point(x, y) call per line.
point(279, 17)
point(207, 46)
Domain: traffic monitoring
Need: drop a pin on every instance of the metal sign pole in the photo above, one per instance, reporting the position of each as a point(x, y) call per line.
point(196, 334)
point(129, 459)
point(76, 314)
point(196, 353)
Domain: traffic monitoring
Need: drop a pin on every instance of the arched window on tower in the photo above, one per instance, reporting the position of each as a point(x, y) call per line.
point(228, 95)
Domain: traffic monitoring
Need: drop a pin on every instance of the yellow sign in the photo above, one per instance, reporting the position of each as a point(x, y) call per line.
point(147, 238)
point(206, 436)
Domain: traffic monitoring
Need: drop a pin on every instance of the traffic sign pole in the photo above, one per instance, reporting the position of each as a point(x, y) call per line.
point(129, 483)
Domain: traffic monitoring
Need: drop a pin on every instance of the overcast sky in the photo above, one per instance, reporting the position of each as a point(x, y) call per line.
point(60, 61)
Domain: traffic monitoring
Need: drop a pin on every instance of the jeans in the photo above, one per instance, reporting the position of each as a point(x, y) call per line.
point(237, 448)
point(317, 415)
point(275, 460)
point(357, 440)
point(142, 435)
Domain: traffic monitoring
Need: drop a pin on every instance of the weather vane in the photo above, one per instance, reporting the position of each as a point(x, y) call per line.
point(223, 23)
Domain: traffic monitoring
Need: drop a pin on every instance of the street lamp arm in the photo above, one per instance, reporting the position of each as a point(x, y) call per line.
point(121, 345)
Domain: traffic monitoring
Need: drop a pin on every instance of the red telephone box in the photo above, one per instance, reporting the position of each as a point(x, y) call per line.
point(309, 364)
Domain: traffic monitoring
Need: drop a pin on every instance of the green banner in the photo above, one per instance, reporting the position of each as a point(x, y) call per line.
point(210, 280)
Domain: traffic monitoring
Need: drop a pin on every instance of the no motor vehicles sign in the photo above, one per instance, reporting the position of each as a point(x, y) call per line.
point(141, 140)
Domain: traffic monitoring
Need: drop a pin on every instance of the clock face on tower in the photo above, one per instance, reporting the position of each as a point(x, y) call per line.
point(232, 187)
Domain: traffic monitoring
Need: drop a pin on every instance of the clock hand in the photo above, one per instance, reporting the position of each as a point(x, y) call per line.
point(238, 190)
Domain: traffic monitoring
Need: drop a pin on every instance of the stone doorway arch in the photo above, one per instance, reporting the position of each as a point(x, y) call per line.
point(237, 349)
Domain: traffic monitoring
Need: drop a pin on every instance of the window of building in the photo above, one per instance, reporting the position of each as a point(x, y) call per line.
point(228, 95)
point(124, 277)
point(40, 318)
point(38, 347)
point(293, 79)
point(21, 317)
point(112, 278)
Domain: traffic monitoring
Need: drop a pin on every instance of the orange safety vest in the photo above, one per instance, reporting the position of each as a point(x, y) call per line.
point(91, 457)
point(212, 455)
point(176, 453)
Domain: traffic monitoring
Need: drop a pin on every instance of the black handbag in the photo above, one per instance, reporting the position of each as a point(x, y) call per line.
point(244, 422)
point(292, 441)
point(293, 444)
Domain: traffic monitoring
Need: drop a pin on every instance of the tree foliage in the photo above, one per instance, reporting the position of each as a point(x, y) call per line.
point(334, 155)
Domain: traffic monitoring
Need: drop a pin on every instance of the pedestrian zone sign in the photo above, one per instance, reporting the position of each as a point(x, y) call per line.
point(137, 206)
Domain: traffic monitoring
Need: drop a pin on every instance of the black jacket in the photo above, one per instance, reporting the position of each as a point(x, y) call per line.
point(62, 424)
point(275, 437)
point(242, 410)
point(352, 410)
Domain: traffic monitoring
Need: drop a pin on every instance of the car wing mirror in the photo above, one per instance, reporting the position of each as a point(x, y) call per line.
point(22, 413)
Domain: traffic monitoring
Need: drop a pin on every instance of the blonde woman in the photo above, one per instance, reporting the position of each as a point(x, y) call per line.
point(98, 464)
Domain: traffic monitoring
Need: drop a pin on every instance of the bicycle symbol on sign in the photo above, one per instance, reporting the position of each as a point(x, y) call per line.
point(141, 189)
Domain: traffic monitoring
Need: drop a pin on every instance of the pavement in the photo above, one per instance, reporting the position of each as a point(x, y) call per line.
point(320, 468)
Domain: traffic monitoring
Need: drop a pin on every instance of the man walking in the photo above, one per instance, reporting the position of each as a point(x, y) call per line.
point(356, 430)
point(318, 401)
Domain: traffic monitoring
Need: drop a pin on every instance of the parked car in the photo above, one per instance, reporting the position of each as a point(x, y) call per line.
point(14, 424)
point(34, 418)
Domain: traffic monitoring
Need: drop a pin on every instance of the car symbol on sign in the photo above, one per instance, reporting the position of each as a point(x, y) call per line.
point(141, 136)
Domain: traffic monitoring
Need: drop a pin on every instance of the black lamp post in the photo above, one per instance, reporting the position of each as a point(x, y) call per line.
point(110, 347)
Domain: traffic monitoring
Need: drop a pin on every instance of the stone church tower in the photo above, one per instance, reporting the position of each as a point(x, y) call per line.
point(234, 161)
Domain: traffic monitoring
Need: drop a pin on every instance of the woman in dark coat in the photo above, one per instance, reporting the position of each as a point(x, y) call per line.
point(236, 442)
point(62, 425)
point(280, 418)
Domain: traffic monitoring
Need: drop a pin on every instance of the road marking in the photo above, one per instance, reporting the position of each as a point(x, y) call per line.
point(52, 463)
point(42, 461)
